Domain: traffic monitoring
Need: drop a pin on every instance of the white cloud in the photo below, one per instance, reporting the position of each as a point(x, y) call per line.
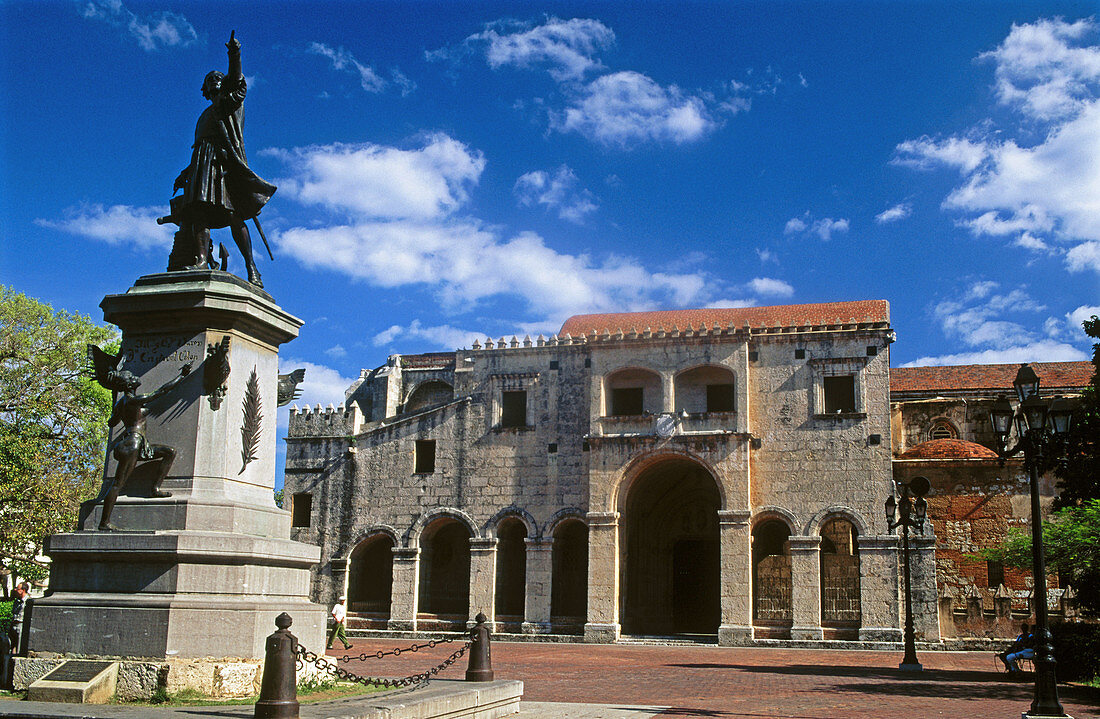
point(898, 212)
point(823, 228)
point(558, 191)
point(155, 30)
point(1041, 72)
point(770, 286)
point(343, 60)
point(1085, 256)
point(465, 262)
point(322, 385)
point(730, 304)
point(1036, 193)
point(995, 326)
point(766, 256)
point(337, 352)
point(375, 181)
point(626, 108)
point(116, 225)
point(926, 153)
point(1041, 351)
point(445, 337)
point(1077, 317)
point(568, 47)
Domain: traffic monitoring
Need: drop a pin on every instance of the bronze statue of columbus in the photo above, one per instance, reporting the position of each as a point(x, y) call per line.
point(219, 188)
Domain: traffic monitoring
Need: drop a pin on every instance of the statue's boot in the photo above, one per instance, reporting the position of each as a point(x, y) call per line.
point(108, 507)
point(244, 244)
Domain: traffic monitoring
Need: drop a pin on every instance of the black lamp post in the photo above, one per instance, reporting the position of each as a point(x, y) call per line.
point(1036, 421)
point(909, 512)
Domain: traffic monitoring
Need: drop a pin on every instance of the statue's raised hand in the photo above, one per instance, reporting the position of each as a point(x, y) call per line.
point(234, 45)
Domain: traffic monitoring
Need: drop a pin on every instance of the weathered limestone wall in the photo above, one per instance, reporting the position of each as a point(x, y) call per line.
point(776, 455)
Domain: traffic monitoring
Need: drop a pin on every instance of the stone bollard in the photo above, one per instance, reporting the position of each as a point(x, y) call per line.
point(480, 668)
point(279, 686)
point(5, 661)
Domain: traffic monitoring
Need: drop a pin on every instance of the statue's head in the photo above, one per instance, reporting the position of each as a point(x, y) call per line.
point(211, 84)
point(123, 380)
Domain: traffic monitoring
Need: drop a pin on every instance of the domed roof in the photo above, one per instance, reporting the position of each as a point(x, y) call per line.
point(948, 449)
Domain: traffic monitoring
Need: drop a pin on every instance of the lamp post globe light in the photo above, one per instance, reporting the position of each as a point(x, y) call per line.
point(1037, 422)
point(907, 511)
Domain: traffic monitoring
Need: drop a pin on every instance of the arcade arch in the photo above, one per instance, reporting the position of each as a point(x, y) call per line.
point(370, 575)
point(445, 568)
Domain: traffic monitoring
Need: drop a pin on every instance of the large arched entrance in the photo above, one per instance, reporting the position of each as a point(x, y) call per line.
point(669, 545)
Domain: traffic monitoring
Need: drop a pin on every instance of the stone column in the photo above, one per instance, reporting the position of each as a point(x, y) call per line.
point(339, 579)
point(668, 393)
point(806, 588)
point(540, 568)
point(602, 624)
point(926, 620)
point(879, 582)
point(483, 580)
point(736, 579)
point(406, 588)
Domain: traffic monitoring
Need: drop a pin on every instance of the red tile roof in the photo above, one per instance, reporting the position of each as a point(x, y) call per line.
point(825, 313)
point(989, 376)
point(948, 449)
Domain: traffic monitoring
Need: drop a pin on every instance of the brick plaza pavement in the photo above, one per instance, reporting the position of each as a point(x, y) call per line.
point(708, 681)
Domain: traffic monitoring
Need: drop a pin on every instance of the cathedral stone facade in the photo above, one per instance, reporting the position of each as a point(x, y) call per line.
point(714, 472)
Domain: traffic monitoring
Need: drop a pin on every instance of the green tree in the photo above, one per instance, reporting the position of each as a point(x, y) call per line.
point(1079, 474)
point(53, 425)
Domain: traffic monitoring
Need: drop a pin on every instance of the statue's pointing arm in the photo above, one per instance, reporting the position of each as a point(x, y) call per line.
point(234, 76)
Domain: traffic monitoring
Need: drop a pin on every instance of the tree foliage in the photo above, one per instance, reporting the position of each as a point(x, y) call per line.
point(53, 424)
point(1079, 474)
point(1071, 545)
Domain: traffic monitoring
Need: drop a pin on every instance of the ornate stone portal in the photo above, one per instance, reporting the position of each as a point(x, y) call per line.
point(204, 571)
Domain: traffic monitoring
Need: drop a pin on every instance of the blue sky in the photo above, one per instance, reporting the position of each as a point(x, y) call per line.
point(452, 170)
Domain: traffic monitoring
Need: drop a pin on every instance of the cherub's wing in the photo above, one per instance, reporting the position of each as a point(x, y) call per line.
point(101, 364)
point(288, 386)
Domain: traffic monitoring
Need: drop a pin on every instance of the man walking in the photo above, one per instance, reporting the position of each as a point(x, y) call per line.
point(18, 611)
point(339, 628)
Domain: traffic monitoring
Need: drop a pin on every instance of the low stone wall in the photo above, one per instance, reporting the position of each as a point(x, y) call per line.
point(140, 680)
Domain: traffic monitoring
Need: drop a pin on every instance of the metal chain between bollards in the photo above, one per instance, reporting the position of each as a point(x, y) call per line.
point(398, 651)
point(306, 656)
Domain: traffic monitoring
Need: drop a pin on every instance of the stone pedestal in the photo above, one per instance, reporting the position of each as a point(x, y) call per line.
point(204, 572)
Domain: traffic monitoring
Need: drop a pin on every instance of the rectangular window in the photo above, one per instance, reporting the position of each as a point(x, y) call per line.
point(425, 456)
point(301, 507)
point(627, 401)
point(513, 408)
point(720, 397)
point(840, 394)
point(995, 572)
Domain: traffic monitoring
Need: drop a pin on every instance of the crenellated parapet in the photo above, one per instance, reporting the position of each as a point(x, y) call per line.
point(324, 422)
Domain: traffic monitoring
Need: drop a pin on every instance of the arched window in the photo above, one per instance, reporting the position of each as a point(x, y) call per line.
point(942, 429)
point(631, 391)
point(704, 389)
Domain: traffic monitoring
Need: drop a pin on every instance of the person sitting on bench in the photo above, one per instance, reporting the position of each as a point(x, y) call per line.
point(1022, 648)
